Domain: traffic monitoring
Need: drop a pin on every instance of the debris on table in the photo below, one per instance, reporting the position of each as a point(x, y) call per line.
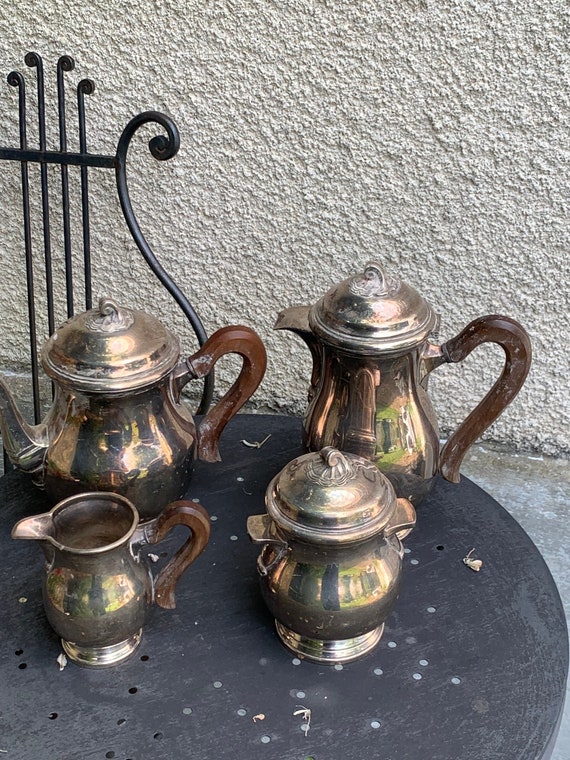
point(256, 444)
point(61, 661)
point(259, 716)
point(474, 564)
point(306, 713)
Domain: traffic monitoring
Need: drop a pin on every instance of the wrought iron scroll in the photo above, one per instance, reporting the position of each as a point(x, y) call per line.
point(162, 147)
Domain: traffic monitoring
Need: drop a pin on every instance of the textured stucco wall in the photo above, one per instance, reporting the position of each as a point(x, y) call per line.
point(316, 136)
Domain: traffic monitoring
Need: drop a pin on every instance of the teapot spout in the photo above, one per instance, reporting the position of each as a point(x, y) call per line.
point(25, 444)
point(36, 528)
point(296, 319)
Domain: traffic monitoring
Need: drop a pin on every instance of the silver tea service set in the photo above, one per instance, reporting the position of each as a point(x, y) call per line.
point(116, 449)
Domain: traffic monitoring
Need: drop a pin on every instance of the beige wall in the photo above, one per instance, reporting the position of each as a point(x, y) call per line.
point(316, 136)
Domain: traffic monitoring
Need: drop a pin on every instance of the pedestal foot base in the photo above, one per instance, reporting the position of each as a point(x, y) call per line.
point(333, 650)
point(102, 657)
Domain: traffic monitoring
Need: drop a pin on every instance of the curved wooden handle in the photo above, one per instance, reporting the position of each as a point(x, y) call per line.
point(514, 340)
point(235, 339)
point(195, 517)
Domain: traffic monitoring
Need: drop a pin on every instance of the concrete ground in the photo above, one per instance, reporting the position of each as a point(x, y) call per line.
point(536, 491)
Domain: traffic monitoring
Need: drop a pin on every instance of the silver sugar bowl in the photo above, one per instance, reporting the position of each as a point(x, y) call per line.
point(331, 557)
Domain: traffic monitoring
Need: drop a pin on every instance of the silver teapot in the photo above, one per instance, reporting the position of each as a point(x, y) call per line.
point(117, 422)
point(331, 561)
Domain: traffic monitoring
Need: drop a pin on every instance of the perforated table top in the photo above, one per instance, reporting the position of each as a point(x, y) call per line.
point(471, 666)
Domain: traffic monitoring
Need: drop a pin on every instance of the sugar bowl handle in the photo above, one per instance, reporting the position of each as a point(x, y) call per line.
point(402, 521)
point(259, 529)
point(515, 342)
point(195, 517)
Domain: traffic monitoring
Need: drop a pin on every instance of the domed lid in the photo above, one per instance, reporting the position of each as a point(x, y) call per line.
point(372, 313)
point(110, 349)
point(330, 497)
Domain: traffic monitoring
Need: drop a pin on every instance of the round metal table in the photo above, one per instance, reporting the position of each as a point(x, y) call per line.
point(471, 666)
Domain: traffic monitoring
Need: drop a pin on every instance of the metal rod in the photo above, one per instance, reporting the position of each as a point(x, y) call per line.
point(55, 157)
point(15, 79)
point(65, 63)
point(85, 87)
point(33, 59)
point(162, 148)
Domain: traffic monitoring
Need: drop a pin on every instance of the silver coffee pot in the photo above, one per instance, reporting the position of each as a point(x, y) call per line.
point(372, 343)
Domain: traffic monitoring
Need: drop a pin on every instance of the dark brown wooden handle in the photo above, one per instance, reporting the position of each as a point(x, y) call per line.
point(195, 517)
point(514, 340)
point(235, 339)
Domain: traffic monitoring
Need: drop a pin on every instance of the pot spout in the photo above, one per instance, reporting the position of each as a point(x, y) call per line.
point(296, 319)
point(25, 444)
point(36, 528)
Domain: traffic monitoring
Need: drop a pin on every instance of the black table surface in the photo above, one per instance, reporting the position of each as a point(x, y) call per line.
point(471, 666)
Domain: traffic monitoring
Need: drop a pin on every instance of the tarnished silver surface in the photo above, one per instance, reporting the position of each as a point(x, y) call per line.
point(97, 587)
point(330, 497)
point(116, 422)
point(332, 553)
point(369, 339)
point(110, 349)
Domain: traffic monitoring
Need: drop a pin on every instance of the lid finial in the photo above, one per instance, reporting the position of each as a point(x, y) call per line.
point(372, 313)
point(111, 317)
point(332, 469)
point(375, 282)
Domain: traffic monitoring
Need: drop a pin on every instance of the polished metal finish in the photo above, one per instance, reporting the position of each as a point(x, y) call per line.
point(103, 656)
point(110, 350)
point(373, 312)
point(97, 585)
point(331, 583)
point(378, 408)
point(331, 498)
point(117, 422)
point(142, 448)
point(370, 341)
point(339, 650)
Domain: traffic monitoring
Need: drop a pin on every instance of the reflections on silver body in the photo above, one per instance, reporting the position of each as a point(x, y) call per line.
point(377, 408)
point(97, 587)
point(331, 561)
point(142, 448)
point(117, 423)
point(370, 339)
point(333, 595)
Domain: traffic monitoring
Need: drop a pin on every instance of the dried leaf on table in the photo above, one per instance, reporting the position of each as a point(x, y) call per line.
point(474, 564)
point(61, 661)
point(306, 713)
point(256, 444)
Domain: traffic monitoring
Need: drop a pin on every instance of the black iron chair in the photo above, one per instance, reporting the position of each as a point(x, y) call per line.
point(162, 147)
